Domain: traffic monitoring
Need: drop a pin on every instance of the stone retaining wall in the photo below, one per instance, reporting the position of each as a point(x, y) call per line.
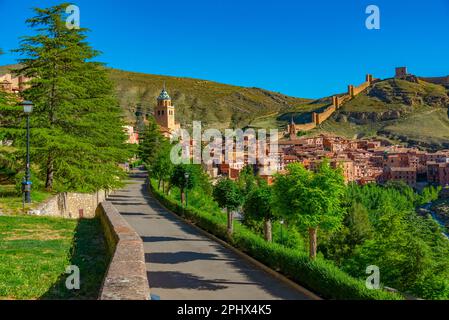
point(71, 205)
point(126, 278)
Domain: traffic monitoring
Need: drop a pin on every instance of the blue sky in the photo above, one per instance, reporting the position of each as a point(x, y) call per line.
point(301, 48)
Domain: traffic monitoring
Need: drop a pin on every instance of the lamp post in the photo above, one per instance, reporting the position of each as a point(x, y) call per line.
point(26, 184)
point(282, 238)
point(186, 175)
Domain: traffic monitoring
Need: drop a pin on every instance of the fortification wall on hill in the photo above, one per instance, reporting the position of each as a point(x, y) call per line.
point(436, 80)
point(355, 90)
point(337, 102)
point(323, 116)
point(305, 126)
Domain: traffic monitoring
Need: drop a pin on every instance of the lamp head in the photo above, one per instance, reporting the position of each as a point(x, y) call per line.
point(27, 106)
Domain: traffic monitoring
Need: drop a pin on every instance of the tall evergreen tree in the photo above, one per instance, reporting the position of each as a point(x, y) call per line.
point(77, 135)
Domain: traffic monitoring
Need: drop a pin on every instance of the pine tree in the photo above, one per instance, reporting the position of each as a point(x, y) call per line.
point(77, 138)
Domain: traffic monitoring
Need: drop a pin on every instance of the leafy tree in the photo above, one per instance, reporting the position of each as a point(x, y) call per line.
point(409, 249)
point(228, 196)
point(310, 199)
point(162, 167)
point(202, 180)
point(150, 142)
point(77, 135)
point(184, 178)
point(355, 231)
point(429, 194)
point(247, 180)
point(258, 205)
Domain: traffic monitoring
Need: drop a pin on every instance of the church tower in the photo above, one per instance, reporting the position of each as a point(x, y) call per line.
point(164, 112)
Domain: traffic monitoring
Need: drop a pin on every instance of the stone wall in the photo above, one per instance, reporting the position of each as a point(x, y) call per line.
point(126, 278)
point(337, 102)
point(305, 126)
point(436, 80)
point(323, 116)
point(71, 205)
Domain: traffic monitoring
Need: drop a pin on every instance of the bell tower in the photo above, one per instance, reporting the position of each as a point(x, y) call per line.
point(164, 112)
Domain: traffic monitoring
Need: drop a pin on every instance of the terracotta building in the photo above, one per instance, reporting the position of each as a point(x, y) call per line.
point(164, 113)
point(12, 84)
point(407, 175)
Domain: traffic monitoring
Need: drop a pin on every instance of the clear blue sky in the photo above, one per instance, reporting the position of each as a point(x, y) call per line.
point(301, 48)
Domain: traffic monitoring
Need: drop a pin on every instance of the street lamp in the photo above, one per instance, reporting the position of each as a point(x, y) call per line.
point(186, 175)
point(282, 238)
point(26, 184)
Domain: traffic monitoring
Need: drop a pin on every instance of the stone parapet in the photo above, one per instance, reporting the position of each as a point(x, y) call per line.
point(126, 278)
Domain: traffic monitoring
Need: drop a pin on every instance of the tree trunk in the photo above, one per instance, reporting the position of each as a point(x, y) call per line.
point(50, 172)
point(230, 222)
point(168, 188)
point(159, 184)
point(183, 197)
point(312, 242)
point(267, 230)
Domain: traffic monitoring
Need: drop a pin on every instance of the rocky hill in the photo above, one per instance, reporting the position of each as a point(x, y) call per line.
point(412, 112)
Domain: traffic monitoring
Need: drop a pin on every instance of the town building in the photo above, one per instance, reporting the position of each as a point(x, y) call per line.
point(132, 135)
point(12, 84)
point(164, 113)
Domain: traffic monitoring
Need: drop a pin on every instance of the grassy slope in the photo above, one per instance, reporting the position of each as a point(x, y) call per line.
point(422, 105)
point(210, 102)
point(35, 252)
point(424, 114)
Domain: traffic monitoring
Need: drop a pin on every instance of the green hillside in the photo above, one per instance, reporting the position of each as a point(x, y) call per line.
point(215, 104)
point(403, 111)
point(399, 110)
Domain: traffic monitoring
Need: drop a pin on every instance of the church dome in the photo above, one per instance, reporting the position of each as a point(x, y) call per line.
point(163, 95)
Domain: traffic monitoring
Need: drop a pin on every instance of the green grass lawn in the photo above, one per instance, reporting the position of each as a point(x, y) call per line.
point(35, 252)
point(12, 203)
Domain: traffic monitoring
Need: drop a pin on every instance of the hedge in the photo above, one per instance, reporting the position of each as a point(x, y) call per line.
point(319, 275)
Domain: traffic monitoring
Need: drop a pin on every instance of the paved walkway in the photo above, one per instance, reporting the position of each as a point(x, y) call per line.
point(182, 263)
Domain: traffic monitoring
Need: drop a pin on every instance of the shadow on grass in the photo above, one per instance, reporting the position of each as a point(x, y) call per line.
point(90, 255)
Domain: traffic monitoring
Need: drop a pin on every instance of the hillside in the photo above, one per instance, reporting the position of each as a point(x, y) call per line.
point(403, 111)
point(215, 104)
point(398, 110)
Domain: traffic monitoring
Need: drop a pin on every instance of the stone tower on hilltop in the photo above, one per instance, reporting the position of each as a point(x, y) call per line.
point(164, 113)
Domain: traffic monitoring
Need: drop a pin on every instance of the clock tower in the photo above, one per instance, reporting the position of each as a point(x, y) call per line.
point(164, 112)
